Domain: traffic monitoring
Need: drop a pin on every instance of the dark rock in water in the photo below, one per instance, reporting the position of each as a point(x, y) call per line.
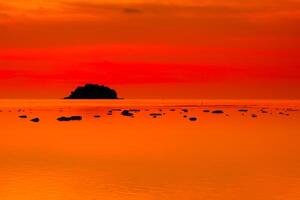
point(217, 112)
point(254, 115)
point(36, 120)
point(67, 119)
point(155, 115)
point(282, 113)
point(263, 111)
point(172, 110)
point(185, 110)
point(127, 113)
point(134, 110)
point(23, 116)
point(292, 110)
point(97, 116)
point(243, 110)
point(93, 91)
point(185, 116)
point(76, 118)
point(193, 118)
point(207, 111)
point(64, 119)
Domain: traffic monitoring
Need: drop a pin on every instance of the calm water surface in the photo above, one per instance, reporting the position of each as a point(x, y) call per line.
point(230, 156)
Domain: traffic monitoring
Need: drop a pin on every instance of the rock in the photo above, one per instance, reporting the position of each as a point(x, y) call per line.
point(193, 118)
point(207, 111)
point(67, 119)
point(23, 116)
point(292, 110)
point(172, 110)
point(76, 118)
point(155, 115)
point(217, 112)
point(185, 110)
point(254, 115)
point(93, 91)
point(263, 111)
point(97, 116)
point(127, 113)
point(64, 119)
point(243, 110)
point(134, 110)
point(36, 120)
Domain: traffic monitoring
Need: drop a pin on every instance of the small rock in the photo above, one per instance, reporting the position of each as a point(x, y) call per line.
point(127, 113)
point(36, 120)
point(67, 119)
point(97, 116)
point(254, 115)
point(155, 115)
point(217, 112)
point(23, 116)
point(206, 111)
point(243, 110)
point(134, 110)
point(193, 118)
point(76, 118)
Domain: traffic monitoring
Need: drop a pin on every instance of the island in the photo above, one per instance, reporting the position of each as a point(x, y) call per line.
point(93, 91)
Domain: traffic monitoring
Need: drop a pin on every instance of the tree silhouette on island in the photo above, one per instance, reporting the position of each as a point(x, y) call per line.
point(93, 91)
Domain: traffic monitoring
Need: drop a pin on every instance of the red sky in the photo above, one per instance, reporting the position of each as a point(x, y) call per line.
point(151, 49)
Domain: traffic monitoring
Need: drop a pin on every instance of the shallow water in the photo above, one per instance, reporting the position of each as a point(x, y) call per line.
point(219, 156)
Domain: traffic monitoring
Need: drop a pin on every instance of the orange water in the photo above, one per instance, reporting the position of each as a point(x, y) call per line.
point(116, 157)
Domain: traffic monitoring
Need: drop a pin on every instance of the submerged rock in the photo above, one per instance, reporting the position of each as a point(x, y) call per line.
point(207, 111)
point(97, 116)
point(155, 115)
point(23, 116)
point(263, 111)
point(254, 115)
point(134, 110)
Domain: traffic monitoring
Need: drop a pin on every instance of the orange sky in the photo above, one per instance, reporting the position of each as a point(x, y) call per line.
point(151, 48)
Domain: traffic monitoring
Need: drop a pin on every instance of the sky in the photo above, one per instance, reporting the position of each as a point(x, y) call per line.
point(229, 49)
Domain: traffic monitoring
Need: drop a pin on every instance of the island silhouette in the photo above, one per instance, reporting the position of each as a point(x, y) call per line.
point(93, 91)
